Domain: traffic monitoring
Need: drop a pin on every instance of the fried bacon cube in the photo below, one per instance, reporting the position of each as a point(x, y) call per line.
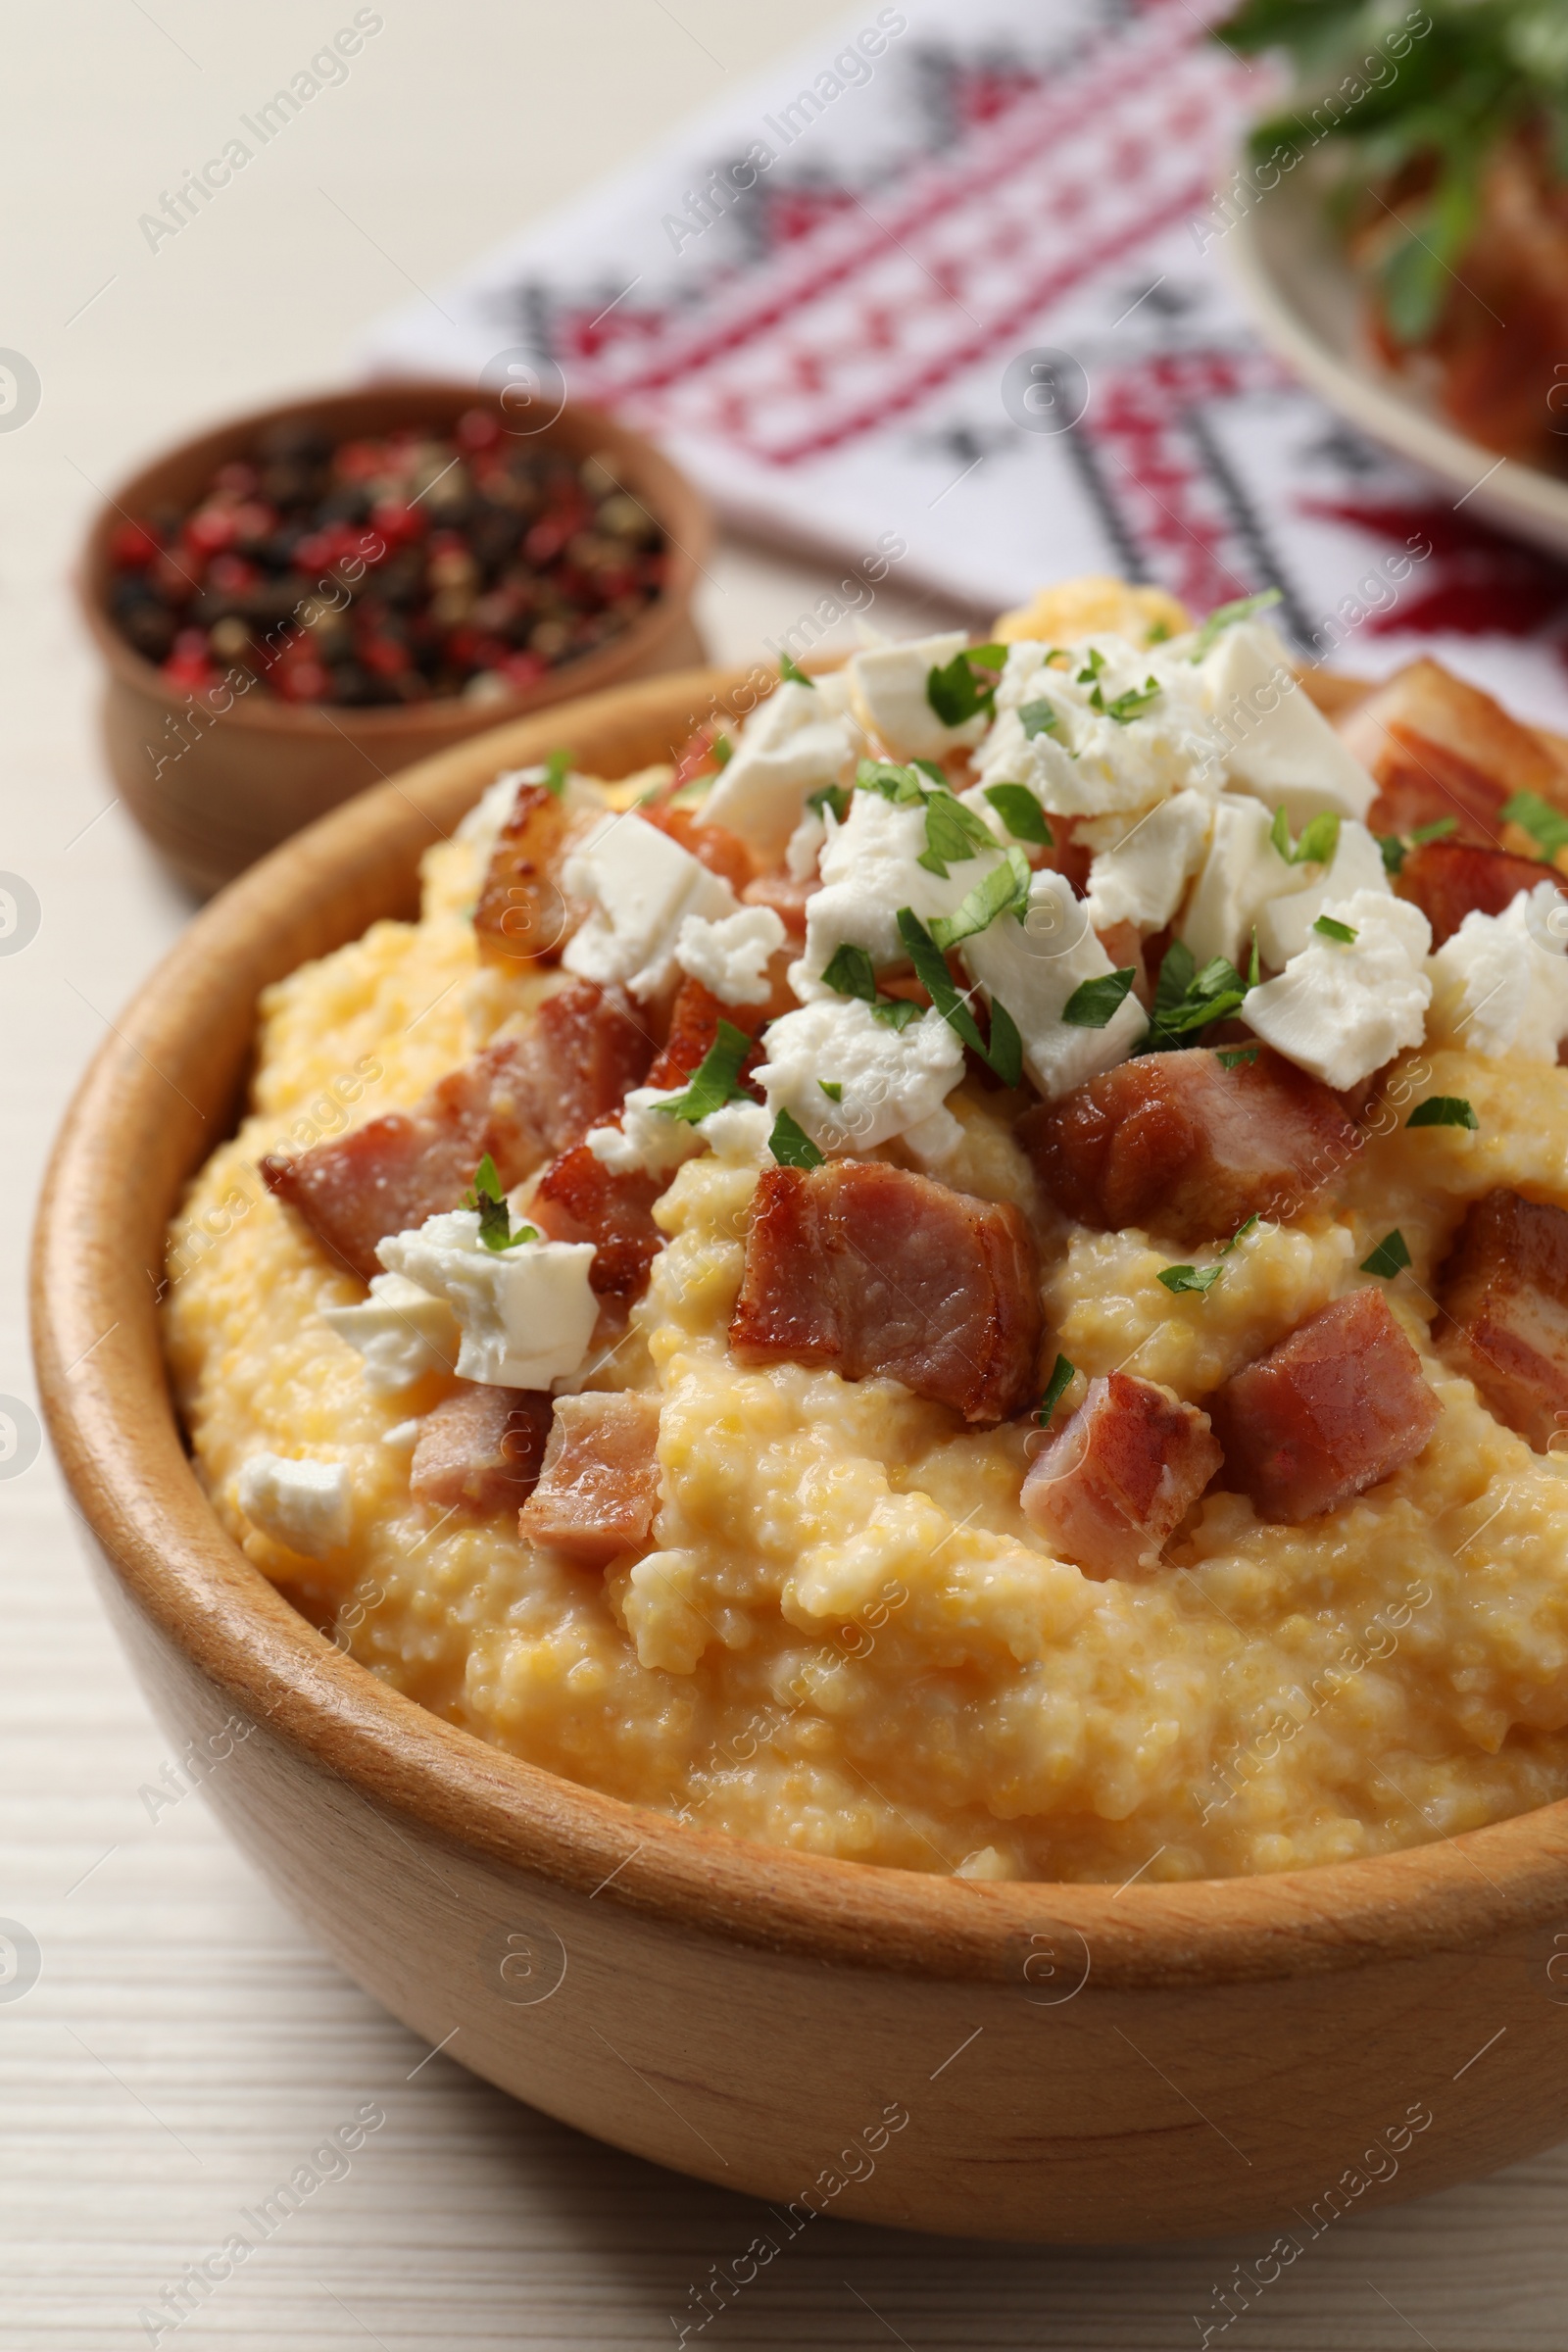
point(1451, 879)
point(1504, 1297)
point(866, 1269)
point(480, 1449)
point(1334, 1409)
point(521, 1101)
point(598, 1489)
point(1110, 1490)
point(578, 1198)
point(1183, 1145)
point(1440, 748)
point(521, 913)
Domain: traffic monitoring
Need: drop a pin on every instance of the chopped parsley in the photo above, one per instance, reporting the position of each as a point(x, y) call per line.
point(1094, 664)
point(791, 669)
point(830, 796)
point(1061, 1376)
point(1156, 632)
point(1225, 616)
point(894, 782)
point(791, 1145)
point(833, 1088)
point(557, 768)
point(1439, 828)
point(495, 1218)
point(1125, 708)
point(1442, 1111)
point(1237, 1057)
point(952, 833)
point(1095, 1003)
point(1320, 838)
point(1037, 718)
point(960, 690)
point(1327, 927)
point(1021, 812)
point(1190, 1277)
point(1005, 890)
point(1395, 851)
point(1005, 1054)
point(849, 972)
point(723, 750)
point(1546, 826)
point(1186, 999)
point(716, 1079)
point(1389, 1257)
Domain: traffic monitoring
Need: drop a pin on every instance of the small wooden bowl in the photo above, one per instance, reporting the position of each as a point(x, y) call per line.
point(1049, 2062)
point(215, 792)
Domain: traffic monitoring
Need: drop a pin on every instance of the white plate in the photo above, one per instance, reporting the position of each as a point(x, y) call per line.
point(1307, 304)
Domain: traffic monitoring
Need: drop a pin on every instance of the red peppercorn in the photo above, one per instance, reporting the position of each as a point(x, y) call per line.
point(131, 546)
point(477, 429)
point(210, 528)
point(396, 521)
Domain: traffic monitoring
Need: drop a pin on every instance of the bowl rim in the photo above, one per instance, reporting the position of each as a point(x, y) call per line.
point(675, 501)
point(106, 1401)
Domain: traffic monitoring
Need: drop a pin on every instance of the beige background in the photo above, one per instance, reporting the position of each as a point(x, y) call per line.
point(184, 2046)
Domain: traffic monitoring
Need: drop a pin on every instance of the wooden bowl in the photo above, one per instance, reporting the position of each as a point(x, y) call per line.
point(1017, 2061)
point(215, 792)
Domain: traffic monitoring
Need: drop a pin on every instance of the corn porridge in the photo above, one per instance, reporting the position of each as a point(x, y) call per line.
point(974, 1276)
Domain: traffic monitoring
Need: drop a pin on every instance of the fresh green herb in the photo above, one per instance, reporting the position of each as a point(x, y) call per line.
point(1190, 1277)
point(894, 782)
point(1442, 1111)
point(1393, 850)
point(1125, 708)
point(1389, 1257)
point(716, 1080)
point(1095, 1003)
point(1186, 999)
point(1327, 927)
point(1057, 1387)
point(792, 670)
point(557, 768)
point(938, 775)
point(1156, 632)
point(1237, 1057)
point(1021, 812)
point(495, 1218)
point(953, 834)
point(723, 750)
point(959, 691)
point(830, 796)
point(1255, 969)
point(1225, 616)
point(791, 1145)
point(1006, 1050)
point(1005, 890)
point(1005, 1054)
point(1439, 828)
point(1094, 664)
point(1546, 826)
point(1241, 1234)
point(833, 1088)
point(1037, 718)
point(1318, 843)
point(849, 972)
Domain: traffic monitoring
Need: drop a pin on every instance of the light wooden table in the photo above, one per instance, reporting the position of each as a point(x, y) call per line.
point(184, 2046)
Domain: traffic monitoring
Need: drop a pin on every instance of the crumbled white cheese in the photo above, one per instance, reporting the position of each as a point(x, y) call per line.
point(1500, 983)
point(648, 1141)
point(889, 1079)
point(791, 745)
point(526, 1316)
point(1241, 874)
point(870, 868)
point(1342, 1008)
point(400, 1331)
point(1142, 864)
point(303, 1506)
point(1090, 763)
point(888, 684)
point(738, 1134)
point(1279, 743)
point(482, 823)
point(1034, 966)
point(402, 1437)
point(730, 956)
point(1285, 924)
point(805, 847)
point(641, 886)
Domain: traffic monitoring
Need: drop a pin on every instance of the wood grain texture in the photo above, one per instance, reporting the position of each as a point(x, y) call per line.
point(1077, 2063)
point(214, 793)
